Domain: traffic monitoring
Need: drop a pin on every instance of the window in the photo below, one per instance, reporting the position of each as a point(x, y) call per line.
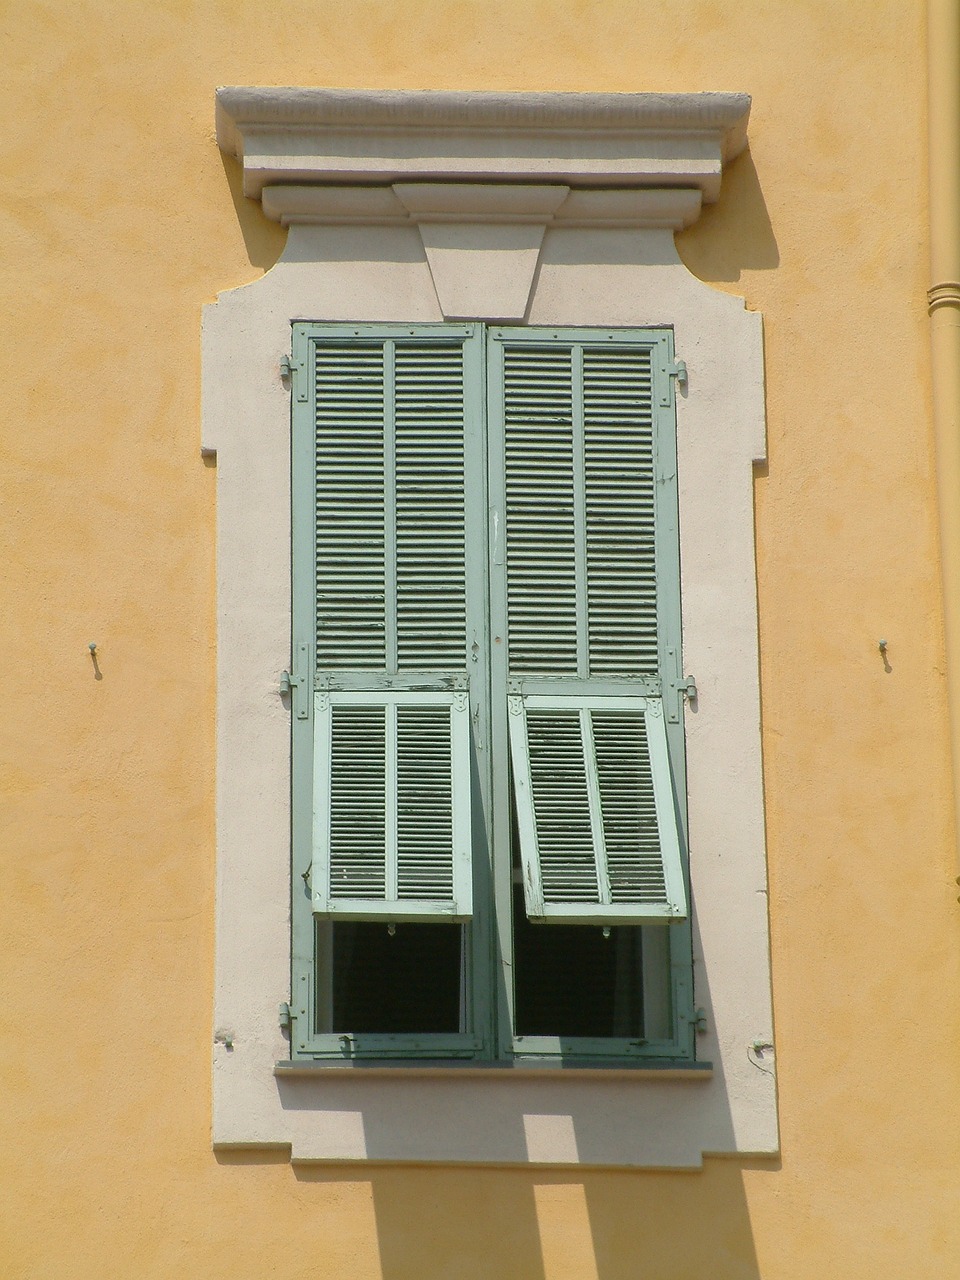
point(496, 222)
point(486, 569)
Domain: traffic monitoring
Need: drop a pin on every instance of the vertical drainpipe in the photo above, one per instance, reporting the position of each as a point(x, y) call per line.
point(943, 66)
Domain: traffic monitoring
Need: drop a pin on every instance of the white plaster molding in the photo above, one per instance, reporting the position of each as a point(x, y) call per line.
point(343, 136)
point(673, 207)
point(482, 242)
point(502, 261)
point(344, 206)
point(476, 202)
point(499, 226)
point(606, 258)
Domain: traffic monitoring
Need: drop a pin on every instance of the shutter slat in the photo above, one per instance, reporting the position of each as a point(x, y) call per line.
point(431, 576)
point(357, 807)
point(538, 440)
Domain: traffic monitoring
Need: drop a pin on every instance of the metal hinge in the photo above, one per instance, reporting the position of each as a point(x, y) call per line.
point(299, 680)
point(687, 688)
point(285, 1014)
point(294, 370)
point(697, 1020)
point(678, 370)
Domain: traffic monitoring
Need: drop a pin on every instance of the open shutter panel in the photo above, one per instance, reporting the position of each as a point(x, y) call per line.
point(392, 806)
point(598, 832)
point(392, 827)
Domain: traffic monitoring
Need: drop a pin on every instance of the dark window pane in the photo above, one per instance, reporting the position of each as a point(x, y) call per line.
point(409, 982)
point(572, 981)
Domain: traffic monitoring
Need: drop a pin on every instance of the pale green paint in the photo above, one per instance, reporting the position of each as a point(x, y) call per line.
point(487, 986)
point(602, 910)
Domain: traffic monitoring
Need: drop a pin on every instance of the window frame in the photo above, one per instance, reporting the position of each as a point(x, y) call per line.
point(488, 993)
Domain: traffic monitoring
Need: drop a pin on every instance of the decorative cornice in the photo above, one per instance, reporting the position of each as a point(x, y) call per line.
point(480, 202)
point(342, 137)
point(488, 203)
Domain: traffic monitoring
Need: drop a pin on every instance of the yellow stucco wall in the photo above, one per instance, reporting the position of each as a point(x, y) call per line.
point(118, 221)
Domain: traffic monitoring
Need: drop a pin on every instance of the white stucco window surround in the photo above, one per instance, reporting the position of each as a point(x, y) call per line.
point(542, 209)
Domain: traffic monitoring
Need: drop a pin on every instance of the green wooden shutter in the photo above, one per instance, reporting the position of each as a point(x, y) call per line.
point(389, 416)
point(597, 830)
point(597, 821)
point(392, 805)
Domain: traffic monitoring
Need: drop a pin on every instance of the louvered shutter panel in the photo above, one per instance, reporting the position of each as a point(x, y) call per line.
point(391, 823)
point(598, 831)
point(392, 806)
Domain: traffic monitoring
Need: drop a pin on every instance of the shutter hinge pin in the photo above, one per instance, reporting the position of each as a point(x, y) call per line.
point(678, 370)
point(699, 1020)
point(299, 680)
point(686, 688)
point(285, 1015)
point(289, 367)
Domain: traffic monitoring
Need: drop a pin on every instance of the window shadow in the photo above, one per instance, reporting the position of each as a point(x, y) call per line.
point(535, 1224)
point(471, 1224)
point(640, 1223)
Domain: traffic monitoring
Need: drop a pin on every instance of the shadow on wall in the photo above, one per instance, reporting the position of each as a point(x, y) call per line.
point(729, 237)
point(264, 240)
point(529, 1224)
point(734, 235)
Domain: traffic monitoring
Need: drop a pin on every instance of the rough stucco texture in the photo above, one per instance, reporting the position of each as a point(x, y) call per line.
point(118, 219)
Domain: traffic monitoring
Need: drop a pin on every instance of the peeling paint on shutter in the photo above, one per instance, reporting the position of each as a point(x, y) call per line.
point(599, 839)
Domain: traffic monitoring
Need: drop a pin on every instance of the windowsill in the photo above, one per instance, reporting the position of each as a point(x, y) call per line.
point(660, 1069)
